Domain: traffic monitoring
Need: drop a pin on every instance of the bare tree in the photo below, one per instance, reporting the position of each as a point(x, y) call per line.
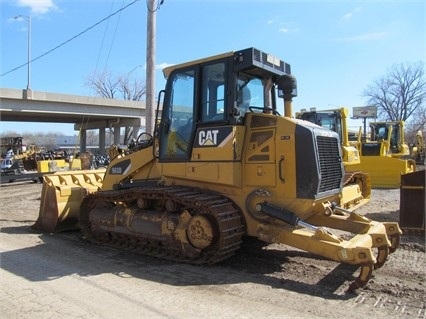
point(104, 84)
point(418, 123)
point(40, 139)
point(399, 94)
point(92, 139)
point(130, 88)
point(122, 86)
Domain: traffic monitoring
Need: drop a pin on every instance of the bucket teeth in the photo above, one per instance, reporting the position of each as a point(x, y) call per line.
point(61, 197)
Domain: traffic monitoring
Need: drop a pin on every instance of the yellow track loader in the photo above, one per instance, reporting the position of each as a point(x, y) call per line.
point(356, 190)
point(223, 165)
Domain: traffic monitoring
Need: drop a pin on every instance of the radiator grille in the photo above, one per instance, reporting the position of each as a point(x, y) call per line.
point(330, 167)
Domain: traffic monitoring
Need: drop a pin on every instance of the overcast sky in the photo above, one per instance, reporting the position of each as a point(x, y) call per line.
point(335, 48)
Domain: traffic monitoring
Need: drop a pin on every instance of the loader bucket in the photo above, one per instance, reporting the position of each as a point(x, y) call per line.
point(61, 196)
point(385, 171)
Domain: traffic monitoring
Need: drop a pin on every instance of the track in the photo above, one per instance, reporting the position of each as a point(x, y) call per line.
point(361, 178)
point(201, 227)
point(354, 199)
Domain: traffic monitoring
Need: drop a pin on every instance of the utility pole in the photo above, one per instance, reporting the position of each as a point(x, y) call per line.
point(152, 7)
point(29, 54)
point(28, 19)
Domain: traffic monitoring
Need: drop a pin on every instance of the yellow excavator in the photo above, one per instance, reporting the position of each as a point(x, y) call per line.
point(384, 154)
point(222, 166)
point(357, 185)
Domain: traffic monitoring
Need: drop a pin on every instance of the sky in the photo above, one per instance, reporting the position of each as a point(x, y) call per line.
point(335, 48)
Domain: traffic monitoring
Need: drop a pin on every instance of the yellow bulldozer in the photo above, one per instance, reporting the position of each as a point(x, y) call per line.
point(222, 166)
point(377, 161)
point(384, 154)
point(357, 185)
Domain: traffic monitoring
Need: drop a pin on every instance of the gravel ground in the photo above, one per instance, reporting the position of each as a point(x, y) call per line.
point(51, 275)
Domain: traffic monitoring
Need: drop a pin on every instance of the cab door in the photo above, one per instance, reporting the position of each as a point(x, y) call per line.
point(177, 122)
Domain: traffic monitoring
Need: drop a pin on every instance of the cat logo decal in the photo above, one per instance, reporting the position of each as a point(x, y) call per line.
point(213, 137)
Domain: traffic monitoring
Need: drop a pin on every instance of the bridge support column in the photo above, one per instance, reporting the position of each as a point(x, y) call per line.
point(102, 141)
point(117, 131)
point(83, 142)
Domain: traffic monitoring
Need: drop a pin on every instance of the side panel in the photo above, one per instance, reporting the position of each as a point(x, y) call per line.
point(216, 155)
point(137, 165)
point(260, 175)
point(260, 163)
point(218, 143)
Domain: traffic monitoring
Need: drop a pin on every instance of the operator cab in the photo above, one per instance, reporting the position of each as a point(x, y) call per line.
point(328, 119)
point(224, 88)
point(386, 131)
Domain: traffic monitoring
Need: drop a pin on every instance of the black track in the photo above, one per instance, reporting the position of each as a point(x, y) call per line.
point(220, 210)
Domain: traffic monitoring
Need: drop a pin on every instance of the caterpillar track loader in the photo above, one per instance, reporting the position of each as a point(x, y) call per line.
point(222, 165)
point(357, 185)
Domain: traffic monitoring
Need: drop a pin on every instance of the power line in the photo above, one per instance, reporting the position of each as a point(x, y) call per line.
point(69, 40)
point(113, 38)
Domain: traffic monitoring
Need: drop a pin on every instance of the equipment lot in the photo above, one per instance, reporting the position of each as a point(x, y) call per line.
point(59, 275)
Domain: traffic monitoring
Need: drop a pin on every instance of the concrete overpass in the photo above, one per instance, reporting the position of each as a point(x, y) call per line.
point(86, 112)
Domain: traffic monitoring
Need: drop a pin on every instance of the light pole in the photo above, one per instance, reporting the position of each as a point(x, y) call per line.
point(28, 18)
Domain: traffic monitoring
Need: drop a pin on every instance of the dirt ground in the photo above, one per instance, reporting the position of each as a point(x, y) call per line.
point(61, 276)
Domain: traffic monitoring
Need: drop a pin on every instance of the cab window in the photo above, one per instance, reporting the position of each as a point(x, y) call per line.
point(213, 92)
point(250, 93)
